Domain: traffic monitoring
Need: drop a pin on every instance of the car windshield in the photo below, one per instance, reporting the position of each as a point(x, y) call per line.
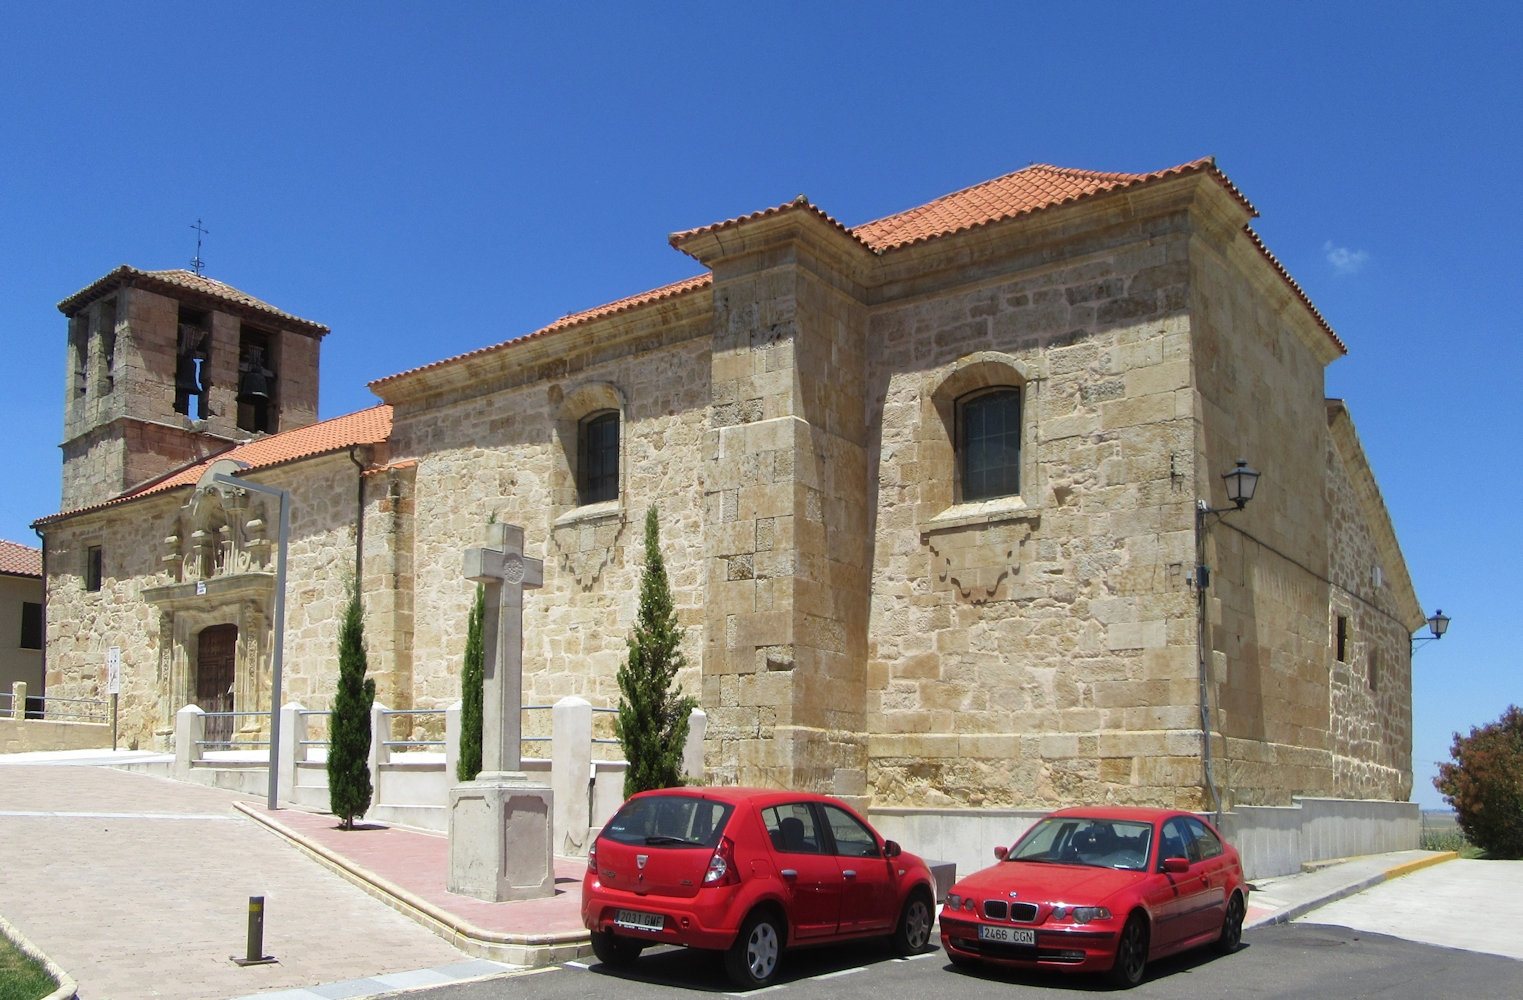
point(1079, 840)
point(669, 821)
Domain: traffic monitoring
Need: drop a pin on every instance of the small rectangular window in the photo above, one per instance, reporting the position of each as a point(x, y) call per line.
point(598, 458)
point(31, 625)
point(1342, 639)
point(1374, 673)
point(92, 568)
point(989, 444)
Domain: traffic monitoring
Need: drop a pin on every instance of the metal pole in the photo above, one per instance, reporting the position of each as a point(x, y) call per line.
point(277, 655)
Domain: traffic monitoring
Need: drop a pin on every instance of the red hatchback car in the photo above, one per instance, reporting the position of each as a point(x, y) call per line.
point(748, 872)
point(1100, 890)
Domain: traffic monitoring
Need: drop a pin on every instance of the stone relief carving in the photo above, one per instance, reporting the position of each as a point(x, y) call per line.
point(584, 545)
point(976, 560)
point(212, 537)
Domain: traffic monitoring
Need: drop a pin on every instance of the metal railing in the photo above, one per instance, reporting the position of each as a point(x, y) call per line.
point(39, 707)
point(606, 711)
point(230, 743)
point(304, 713)
point(412, 744)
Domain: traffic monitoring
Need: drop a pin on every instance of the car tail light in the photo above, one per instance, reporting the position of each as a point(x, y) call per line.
point(722, 865)
point(592, 859)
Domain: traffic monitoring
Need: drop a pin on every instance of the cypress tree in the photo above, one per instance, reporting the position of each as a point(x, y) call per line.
point(471, 679)
point(349, 787)
point(652, 723)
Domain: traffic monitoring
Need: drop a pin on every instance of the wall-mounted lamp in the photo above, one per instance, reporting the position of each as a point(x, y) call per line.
point(1241, 483)
point(1438, 624)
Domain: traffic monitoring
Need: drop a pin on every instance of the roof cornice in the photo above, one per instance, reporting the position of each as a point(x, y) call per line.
point(188, 286)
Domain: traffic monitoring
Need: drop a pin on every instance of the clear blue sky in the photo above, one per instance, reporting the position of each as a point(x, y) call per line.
point(428, 179)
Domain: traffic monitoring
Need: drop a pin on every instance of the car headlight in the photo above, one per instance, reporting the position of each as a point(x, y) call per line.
point(1080, 914)
point(959, 902)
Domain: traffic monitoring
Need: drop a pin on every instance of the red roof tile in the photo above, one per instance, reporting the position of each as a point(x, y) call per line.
point(20, 560)
point(1030, 189)
point(180, 281)
point(625, 304)
point(370, 426)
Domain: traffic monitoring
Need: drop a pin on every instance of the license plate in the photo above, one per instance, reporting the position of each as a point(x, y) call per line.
point(636, 920)
point(1007, 935)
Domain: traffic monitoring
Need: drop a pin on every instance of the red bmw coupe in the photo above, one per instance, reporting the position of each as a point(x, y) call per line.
point(748, 872)
point(1100, 890)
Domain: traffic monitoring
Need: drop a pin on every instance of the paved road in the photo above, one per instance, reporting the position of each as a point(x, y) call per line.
point(1280, 962)
point(1474, 905)
point(66, 893)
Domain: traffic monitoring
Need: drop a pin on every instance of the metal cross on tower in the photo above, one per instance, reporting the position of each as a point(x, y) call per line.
point(197, 265)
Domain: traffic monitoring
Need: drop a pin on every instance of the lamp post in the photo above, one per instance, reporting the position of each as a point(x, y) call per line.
point(227, 485)
point(1241, 483)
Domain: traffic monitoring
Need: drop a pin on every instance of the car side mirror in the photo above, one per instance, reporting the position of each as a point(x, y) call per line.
point(1001, 853)
point(891, 849)
point(1176, 866)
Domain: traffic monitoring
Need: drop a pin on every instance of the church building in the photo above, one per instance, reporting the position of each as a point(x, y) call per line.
point(941, 497)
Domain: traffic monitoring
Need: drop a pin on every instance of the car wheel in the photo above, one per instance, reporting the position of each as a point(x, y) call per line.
point(752, 960)
point(1131, 953)
point(615, 951)
point(914, 927)
point(1232, 926)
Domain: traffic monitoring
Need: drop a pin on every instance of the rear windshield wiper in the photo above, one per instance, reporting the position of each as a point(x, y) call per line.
point(671, 842)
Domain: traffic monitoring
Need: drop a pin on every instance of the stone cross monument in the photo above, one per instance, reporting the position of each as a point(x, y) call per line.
point(500, 824)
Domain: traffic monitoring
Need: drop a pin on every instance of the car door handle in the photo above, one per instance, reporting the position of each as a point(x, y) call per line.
point(849, 873)
point(789, 873)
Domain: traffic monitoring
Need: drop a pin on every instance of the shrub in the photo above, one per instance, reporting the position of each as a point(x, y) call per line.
point(472, 677)
point(1485, 785)
point(652, 723)
point(349, 786)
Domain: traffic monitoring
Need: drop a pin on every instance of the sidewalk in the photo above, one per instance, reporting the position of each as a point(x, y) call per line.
point(1284, 898)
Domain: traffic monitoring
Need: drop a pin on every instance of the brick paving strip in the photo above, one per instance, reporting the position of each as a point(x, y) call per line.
point(408, 870)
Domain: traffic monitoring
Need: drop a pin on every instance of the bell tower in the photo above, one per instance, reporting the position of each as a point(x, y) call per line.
point(169, 367)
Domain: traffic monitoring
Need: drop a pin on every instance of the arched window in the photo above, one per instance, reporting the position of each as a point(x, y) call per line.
point(989, 444)
point(597, 465)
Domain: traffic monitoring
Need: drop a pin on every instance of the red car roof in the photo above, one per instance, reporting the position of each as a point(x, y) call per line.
point(1139, 813)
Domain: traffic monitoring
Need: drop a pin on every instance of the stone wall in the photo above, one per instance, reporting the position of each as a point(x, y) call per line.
point(1037, 650)
point(1258, 357)
point(503, 447)
point(145, 551)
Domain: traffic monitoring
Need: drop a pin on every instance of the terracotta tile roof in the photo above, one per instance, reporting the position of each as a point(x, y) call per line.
point(625, 304)
point(177, 283)
point(798, 204)
point(20, 560)
point(1028, 190)
point(365, 427)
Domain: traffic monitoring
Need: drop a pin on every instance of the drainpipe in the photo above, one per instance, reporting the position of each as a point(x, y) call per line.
point(42, 543)
point(359, 518)
point(1202, 579)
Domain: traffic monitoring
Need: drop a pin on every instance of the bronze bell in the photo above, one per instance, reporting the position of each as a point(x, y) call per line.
point(254, 387)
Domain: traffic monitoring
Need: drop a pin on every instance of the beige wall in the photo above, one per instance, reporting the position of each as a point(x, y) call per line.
point(17, 664)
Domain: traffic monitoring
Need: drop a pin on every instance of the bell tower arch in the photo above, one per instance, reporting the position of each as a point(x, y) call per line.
point(166, 368)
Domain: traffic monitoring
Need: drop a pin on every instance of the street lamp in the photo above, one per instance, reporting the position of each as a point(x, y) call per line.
point(1438, 624)
point(1241, 483)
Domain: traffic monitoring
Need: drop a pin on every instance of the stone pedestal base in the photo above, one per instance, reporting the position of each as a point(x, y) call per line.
point(499, 838)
